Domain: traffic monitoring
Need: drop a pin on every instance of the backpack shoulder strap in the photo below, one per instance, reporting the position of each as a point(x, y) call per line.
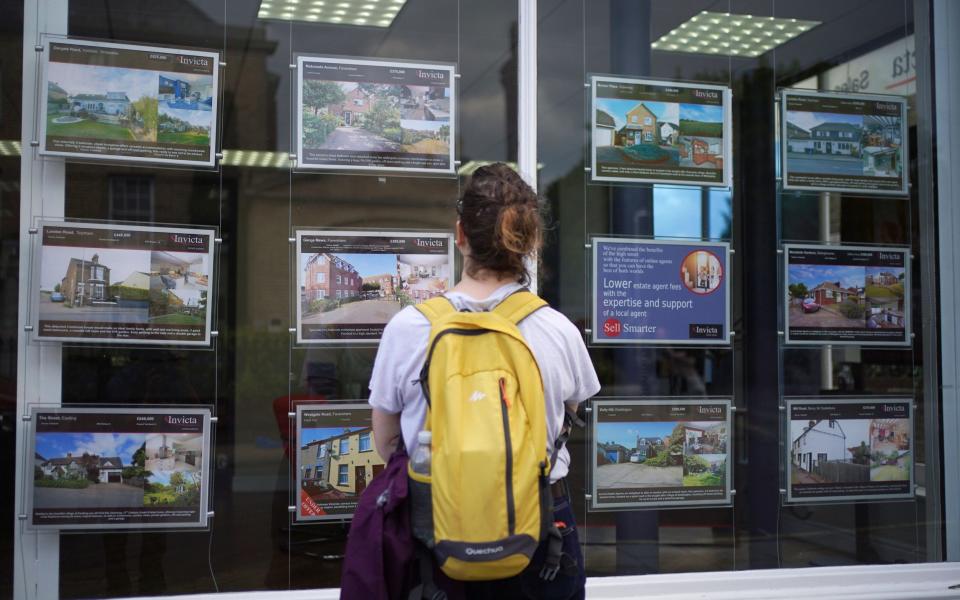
point(519, 305)
point(435, 309)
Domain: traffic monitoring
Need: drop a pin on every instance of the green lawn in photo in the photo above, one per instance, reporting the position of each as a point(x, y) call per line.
point(701, 128)
point(177, 319)
point(701, 480)
point(183, 137)
point(878, 291)
point(163, 496)
point(88, 129)
point(889, 473)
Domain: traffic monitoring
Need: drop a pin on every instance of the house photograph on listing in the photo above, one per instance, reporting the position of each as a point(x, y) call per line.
point(174, 465)
point(829, 451)
point(87, 470)
point(632, 132)
point(179, 286)
point(844, 144)
point(337, 462)
point(827, 296)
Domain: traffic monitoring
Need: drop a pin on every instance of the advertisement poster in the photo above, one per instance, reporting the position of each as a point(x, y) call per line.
point(650, 454)
point(352, 282)
point(844, 143)
point(660, 132)
point(336, 459)
point(660, 292)
point(129, 103)
point(123, 284)
point(847, 295)
point(375, 116)
point(843, 449)
point(120, 468)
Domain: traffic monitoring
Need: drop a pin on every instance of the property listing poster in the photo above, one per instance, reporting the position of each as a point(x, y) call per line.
point(849, 449)
point(375, 115)
point(844, 143)
point(660, 132)
point(660, 292)
point(352, 282)
point(123, 284)
point(120, 468)
point(649, 454)
point(336, 459)
point(130, 103)
point(847, 295)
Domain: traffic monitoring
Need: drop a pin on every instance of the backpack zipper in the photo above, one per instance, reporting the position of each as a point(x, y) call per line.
point(504, 404)
point(425, 371)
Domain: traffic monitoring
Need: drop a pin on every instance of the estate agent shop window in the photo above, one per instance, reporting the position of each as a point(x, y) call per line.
point(209, 210)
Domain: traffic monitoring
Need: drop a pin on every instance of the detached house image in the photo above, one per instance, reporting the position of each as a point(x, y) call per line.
point(110, 468)
point(111, 103)
point(821, 442)
point(605, 130)
point(798, 139)
point(836, 138)
point(346, 462)
point(86, 282)
point(641, 128)
point(830, 292)
point(351, 110)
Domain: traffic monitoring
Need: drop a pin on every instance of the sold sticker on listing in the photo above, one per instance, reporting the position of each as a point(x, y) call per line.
point(660, 292)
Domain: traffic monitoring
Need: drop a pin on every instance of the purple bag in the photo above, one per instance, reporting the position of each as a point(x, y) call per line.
point(379, 562)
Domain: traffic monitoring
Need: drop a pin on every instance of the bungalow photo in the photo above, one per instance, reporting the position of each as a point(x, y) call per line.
point(179, 286)
point(374, 117)
point(367, 288)
point(827, 296)
point(88, 470)
point(337, 463)
point(830, 451)
point(665, 134)
point(99, 285)
point(843, 144)
point(185, 113)
point(101, 102)
point(890, 450)
point(174, 462)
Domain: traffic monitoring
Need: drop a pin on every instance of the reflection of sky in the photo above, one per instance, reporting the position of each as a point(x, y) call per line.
point(665, 112)
point(897, 271)
point(88, 79)
point(700, 112)
point(808, 120)
point(676, 212)
point(57, 444)
point(814, 275)
point(197, 118)
point(626, 434)
point(312, 434)
point(122, 263)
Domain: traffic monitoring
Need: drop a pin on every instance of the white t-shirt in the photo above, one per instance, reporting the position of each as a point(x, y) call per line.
point(557, 346)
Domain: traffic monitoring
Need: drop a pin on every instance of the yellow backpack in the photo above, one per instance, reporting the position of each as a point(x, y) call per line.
point(486, 504)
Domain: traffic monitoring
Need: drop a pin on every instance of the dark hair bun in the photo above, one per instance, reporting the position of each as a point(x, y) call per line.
point(500, 216)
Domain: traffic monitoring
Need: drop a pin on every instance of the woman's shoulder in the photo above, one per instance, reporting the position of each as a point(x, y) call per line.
point(406, 322)
point(552, 320)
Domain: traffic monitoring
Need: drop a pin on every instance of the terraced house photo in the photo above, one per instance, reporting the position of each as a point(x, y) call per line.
point(337, 463)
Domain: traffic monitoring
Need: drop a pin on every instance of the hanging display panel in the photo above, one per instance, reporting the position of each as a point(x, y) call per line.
point(849, 449)
point(350, 283)
point(844, 143)
point(336, 459)
point(659, 453)
point(123, 284)
point(846, 295)
point(119, 468)
point(359, 114)
point(660, 292)
point(660, 132)
point(130, 103)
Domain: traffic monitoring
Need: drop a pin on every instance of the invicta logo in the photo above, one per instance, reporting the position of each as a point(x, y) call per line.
point(477, 396)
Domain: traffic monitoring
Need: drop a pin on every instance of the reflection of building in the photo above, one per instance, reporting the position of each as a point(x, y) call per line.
point(836, 138)
point(86, 282)
point(328, 276)
point(820, 442)
point(605, 131)
point(113, 103)
point(346, 462)
point(641, 127)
